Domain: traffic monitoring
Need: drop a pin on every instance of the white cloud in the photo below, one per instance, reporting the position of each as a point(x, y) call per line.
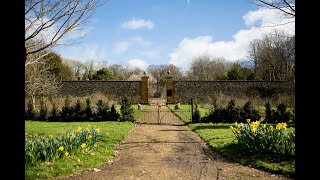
point(84, 52)
point(137, 63)
point(151, 53)
point(138, 24)
point(121, 47)
point(236, 49)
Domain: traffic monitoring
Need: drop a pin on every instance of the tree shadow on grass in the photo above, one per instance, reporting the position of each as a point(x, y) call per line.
point(212, 126)
point(268, 162)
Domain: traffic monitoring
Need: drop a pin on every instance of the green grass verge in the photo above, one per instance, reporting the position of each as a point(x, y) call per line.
point(113, 133)
point(221, 139)
point(185, 112)
point(136, 113)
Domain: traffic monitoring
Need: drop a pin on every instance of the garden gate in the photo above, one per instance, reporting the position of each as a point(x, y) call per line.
point(159, 112)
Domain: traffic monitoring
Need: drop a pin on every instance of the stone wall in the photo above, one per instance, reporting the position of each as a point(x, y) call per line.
point(114, 89)
point(204, 90)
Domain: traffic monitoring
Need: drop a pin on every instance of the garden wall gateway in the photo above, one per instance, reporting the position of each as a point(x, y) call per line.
point(179, 91)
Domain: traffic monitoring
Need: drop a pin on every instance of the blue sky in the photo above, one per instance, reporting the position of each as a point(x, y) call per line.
point(144, 32)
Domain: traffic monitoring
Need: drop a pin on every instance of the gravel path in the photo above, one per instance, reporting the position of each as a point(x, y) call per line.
point(157, 151)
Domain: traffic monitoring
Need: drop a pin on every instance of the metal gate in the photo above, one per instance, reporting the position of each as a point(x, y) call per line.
point(161, 113)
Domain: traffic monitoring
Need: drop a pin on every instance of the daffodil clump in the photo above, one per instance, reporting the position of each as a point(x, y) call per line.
point(81, 140)
point(257, 137)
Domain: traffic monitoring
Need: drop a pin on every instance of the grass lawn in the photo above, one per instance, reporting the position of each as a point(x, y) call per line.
point(113, 133)
point(185, 112)
point(136, 113)
point(220, 138)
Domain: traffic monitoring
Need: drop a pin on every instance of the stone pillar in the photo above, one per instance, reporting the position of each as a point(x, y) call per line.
point(170, 89)
point(144, 90)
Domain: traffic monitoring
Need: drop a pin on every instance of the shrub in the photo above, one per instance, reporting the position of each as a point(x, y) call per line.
point(77, 112)
point(30, 113)
point(87, 113)
point(282, 114)
point(232, 112)
point(126, 110)
point(248, 112)
point(54, 114)
point(43, 115)
point(102, 111)
point(113, 114)
point(196, 114)
point(66, 112)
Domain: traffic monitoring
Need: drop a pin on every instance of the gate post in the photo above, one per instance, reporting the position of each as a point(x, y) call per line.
point(144, 90)
point(170, 89)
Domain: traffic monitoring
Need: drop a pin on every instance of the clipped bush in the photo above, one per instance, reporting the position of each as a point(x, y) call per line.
point(43, 114)
point(232, 112)
point(196, 114)
point(269, 113)
point(282, 114)
point(87, 113)
point(102, 113)
point(113, 115)
point(77, 111)
point(126, 110)
point(30, 113)
point(54, 115)
point(66, 112)
point(248, 112)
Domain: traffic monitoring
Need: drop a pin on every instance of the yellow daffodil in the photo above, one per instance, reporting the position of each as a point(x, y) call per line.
point(87, 129)
point(51, 136)
point(281, 126)
point(79, 129)
point(248, 120)
point(83, 145)
point(231, 127)
point(238, 130)
point(98, 130)
point(271, 128)
point(61, 148)
point(66, 154)
point(90, 136)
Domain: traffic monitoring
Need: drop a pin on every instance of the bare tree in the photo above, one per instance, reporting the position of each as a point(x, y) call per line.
point(40, 82)
point(89, 70)
point(76, 66)
point(47, 22)
point(206, 68)
point(287, 7)
point(274, 57)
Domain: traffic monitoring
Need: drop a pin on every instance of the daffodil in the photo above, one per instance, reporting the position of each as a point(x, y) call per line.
point(61, 148)
point(79, 129)
point(248, 120)
point(238, 130)
point(281, 126)
point(98, 130)
point(83, 145)
point(66, 154)
point(51, 136)
point(90, 136)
